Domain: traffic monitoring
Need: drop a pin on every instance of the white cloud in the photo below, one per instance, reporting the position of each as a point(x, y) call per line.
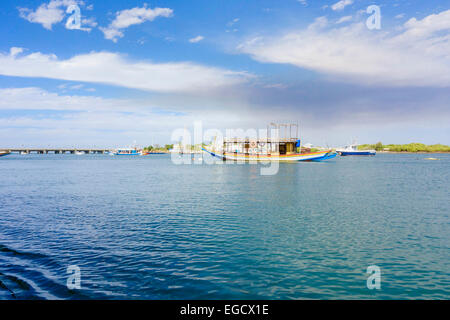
point(89, 22)
point(232, 22)
point(399, 16)
point(53, 12)
point(33, 98)
point(86, 120)
point(196, 39)
point(418, 55)
point(275, 86)
point(114, 69)
point(77, 86)
point(111, 33)
point(46, 14)
point(428, 25)
point(14, 51)
point(341, 5)
point(344, 19)
point(129, 17)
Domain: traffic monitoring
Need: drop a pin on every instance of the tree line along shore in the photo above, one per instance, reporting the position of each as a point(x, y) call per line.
point(380, 147)
point(157, 148)
point(411, 147)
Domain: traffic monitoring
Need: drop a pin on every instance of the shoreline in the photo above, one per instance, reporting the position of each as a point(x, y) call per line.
point(410, 152)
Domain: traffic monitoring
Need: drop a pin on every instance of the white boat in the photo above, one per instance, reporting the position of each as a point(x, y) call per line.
point(352, 150)
point(79, 153)
point(126, 152)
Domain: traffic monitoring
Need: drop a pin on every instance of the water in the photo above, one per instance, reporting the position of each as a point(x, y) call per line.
point(144, 228)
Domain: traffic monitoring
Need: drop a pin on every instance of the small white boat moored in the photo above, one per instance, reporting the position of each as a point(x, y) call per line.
point(352, 150)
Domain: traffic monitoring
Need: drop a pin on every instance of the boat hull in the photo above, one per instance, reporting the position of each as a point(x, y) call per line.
point(4, 154)
point(357, 153)
point(126, 154)
point(313, 156)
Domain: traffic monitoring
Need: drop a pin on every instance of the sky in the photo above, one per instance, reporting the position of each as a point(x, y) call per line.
point(134, 71)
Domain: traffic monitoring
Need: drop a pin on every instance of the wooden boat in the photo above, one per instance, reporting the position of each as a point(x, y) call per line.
point(309, 156)
point(286, 148)
point(4, 153)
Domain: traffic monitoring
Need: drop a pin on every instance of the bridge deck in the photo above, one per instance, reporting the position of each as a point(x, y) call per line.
point(54, 150)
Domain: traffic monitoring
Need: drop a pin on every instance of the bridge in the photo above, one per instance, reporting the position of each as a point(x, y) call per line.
point(54, 150)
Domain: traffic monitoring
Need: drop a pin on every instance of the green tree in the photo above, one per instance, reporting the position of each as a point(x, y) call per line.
point(379, 146)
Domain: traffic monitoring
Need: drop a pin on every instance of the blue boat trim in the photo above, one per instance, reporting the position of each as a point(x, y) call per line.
point(356, 153)
point(329, 155)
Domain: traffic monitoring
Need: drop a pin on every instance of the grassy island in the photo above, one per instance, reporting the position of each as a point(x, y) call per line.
point(411, 147)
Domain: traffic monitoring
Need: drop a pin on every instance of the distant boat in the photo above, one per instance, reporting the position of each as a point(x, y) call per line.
point(126, 152)
point(4, 153)
point(352, 150)
point(79, 153)
point(146, 153)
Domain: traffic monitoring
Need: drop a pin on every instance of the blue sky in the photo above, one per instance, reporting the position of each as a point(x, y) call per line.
point(135, 70)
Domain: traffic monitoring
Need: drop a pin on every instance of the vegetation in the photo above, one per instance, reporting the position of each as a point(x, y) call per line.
point(411, 147)
point(167, 147)
point(158, 148)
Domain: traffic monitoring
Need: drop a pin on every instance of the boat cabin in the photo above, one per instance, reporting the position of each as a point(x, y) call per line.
point(281, 139)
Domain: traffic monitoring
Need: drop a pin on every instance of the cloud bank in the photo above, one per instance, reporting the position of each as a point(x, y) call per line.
point(44, 117)
point(115, 69)
point(417, 55)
